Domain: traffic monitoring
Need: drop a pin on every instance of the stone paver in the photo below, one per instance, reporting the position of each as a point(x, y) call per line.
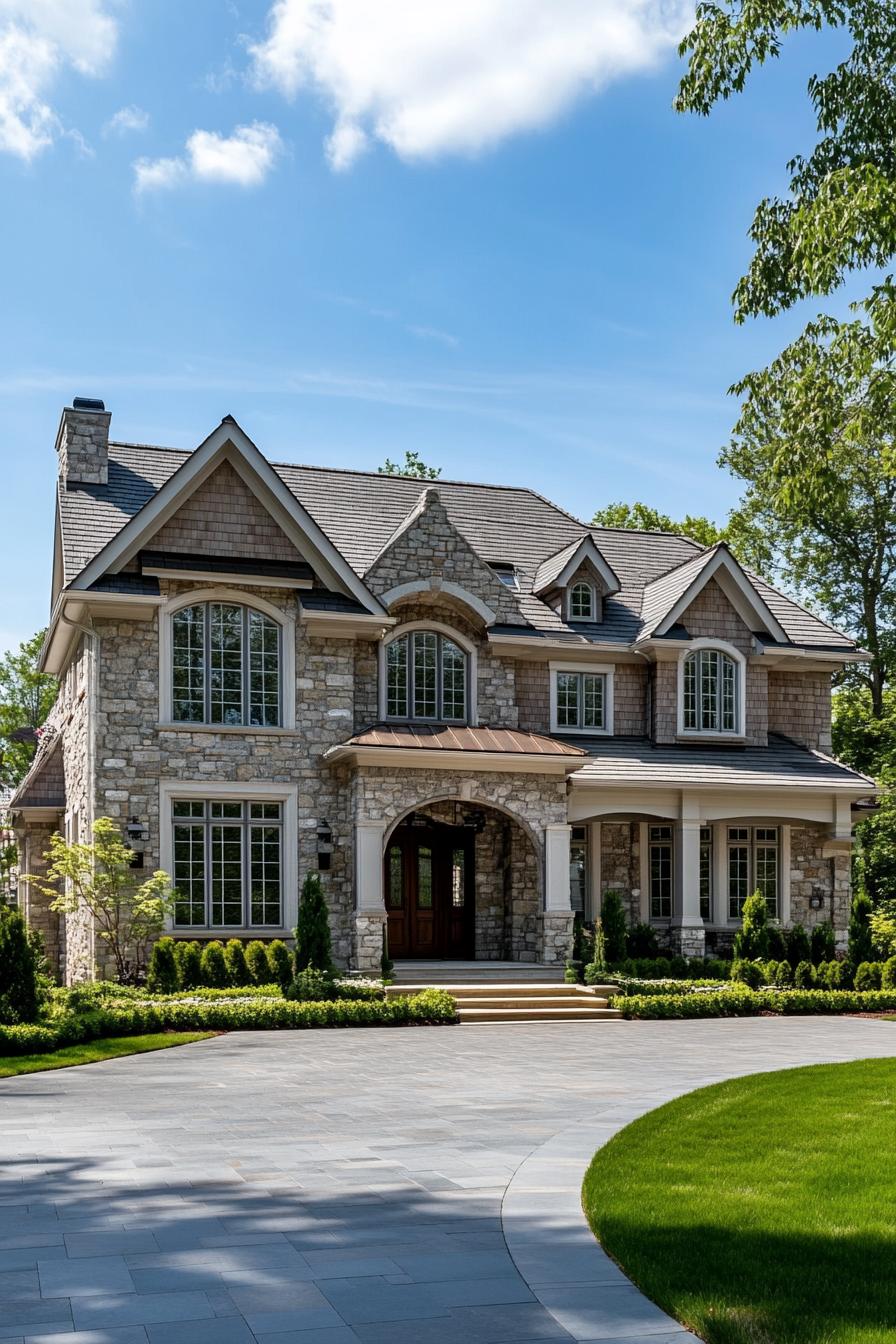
point(348, 1187)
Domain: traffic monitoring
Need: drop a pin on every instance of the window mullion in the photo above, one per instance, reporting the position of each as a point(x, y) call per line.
point(440, 679)
point(244, 864)
point(207, 864)
point(580, 700)
point(207, 661)
point(244, 663)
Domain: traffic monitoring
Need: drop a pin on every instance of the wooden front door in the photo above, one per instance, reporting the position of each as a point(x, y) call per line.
point(429, 892)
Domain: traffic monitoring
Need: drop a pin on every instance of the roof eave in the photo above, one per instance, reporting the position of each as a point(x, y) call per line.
point(437, 758)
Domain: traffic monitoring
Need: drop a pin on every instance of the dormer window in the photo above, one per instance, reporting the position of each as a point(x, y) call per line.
point(506, 573)
point(711, 692)
point(582, 604)
point(426, 673)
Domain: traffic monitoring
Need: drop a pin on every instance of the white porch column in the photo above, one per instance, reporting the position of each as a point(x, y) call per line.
point(369, 836)
point(687, 925)
point(556, 869)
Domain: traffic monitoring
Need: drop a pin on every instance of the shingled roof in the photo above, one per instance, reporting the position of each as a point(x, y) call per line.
point(359, 511)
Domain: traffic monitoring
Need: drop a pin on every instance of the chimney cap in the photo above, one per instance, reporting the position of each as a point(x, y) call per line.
point(88, 404)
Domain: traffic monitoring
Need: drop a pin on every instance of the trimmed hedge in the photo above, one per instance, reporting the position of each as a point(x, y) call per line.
point(134, 1018)
point(751, 1003)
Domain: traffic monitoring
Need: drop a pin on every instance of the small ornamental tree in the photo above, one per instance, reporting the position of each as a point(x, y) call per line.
point(162, 977)
point(214, 967)
point(188, 959)
point(97, 877)
point(313, 946)
point(235, 961)
point(612, 918)
point(883, 929)
point(751, 939)
point(860, 947)
point(19, 988)
point(257, 963)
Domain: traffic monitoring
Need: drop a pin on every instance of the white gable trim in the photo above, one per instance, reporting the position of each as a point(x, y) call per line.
point(586, 550)
point(740, 592)
point(229, 443)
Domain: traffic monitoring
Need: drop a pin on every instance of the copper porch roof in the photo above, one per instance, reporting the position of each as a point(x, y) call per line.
point(443, 737)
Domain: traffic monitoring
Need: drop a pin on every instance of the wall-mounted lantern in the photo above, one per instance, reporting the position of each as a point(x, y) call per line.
point(816, 900)
point(475, 821)
point(137, 833)
point(324, 845)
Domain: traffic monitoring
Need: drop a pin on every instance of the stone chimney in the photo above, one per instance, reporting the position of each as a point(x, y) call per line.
point(83, 442)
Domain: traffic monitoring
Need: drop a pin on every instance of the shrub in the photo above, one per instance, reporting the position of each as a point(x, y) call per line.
point(783, 974)
point(715, 968)
point(860, 946)
point(777, 944)
point(883, 929)
point(747, 973)
point(313, 946)
point(677, 968)
point(213, 966)
point(387, 966)
point(235, 961)
point(804, 975)
point(888, 974)
point(798, 945)
point(769, 970)
point(829, 974)
point(257, 962)
point(19, 990)
point(824, 945)
point(868, 976)
point(642, 941)
point(188, 959)
point(162, 977)
point(737, 1003)
point(751, 939)
point(571, 973)
point(612, 920)
point(279, 964)
point(312, 986)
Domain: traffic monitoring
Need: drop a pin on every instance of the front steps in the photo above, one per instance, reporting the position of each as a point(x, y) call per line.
point(430, 973)
point(527, 1002)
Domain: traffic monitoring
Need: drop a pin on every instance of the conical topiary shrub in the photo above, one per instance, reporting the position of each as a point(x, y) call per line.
point(162, 976)
point(214, 967)
point(313, 945)
point(235, 961)
point(257, 963)
point(188, 959)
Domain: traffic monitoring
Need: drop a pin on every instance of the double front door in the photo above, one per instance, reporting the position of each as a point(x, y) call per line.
point(429, 891)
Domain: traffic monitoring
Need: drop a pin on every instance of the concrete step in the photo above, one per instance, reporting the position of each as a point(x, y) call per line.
point(502, 989)
point(538, 1013)
point(475, 972)
point(531, 1001)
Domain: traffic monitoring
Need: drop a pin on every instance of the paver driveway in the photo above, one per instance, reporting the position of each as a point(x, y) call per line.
point(329, 1187)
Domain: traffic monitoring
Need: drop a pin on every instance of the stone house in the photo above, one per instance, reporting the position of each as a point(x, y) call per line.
point(470, 712)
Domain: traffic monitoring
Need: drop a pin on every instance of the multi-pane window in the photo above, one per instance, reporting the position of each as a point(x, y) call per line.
point(710, 692)
point(227, 863)
point(706, 872)
point(753, 865)
point(225, 665)
point(581, 602)
point(578, 869)
point(659, 857)
point(426, 677)
point(581, 700)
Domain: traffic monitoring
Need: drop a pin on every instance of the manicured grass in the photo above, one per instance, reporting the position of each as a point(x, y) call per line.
point(761, 1211)
point(92, 1051)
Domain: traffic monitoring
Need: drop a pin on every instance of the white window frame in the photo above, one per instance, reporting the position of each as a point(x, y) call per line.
point(248, 791)
point(605, 670)
point(581, 583)
point(287, 626)
point(782, 915)
point(437, 628)
point(740, 690)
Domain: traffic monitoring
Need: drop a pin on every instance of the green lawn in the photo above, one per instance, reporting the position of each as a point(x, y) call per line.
point(93, 1051)
point(761, 1211)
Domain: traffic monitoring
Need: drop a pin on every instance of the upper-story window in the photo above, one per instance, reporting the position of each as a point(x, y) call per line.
point(581, 602)
point(427, 676)
point(225, 666)
point(581, 698)
point(711, 694)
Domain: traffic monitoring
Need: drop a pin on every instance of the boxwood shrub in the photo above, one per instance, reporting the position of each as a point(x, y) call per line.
point(752, 1003)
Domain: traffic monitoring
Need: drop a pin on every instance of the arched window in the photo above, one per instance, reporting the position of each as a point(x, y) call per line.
point(427, 676)
point(710, 692)
point(581, 602)
point(225, 666)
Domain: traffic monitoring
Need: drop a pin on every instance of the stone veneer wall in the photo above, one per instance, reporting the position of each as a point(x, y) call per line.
point(34, 841)
point(819, 866)
point(711, 616)
point(83, 446)
point(799, 707)
point(620, 864)
point(224, 517)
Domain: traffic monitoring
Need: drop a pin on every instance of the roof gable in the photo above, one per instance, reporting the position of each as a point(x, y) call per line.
point(558, 569)
point(228, 444)
point(666, 598)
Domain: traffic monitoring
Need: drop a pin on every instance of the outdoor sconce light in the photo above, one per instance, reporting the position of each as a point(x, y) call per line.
point(475, 821)
point(816, 900)
point(324, 845)
point(136, 831)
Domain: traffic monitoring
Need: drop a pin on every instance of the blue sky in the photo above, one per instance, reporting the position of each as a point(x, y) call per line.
point(490, 243)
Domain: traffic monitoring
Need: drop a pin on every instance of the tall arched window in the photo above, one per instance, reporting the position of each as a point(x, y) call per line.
point(225, 666)
point(427, 675)
point(710, 692)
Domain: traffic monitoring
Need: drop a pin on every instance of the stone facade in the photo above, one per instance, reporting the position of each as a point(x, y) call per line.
point(819, 868)
point(83, 446)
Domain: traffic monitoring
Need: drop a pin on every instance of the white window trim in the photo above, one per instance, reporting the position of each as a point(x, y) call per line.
point(586, 583)
point(740, 662)
point(597, 669)
point(249, 791)
point(287, 626)
point(723, 919)
point(461, 641)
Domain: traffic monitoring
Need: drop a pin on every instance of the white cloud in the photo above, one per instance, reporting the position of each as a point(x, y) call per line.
point(428, 79)
point(39, 39)
point(244, 158)
point(125, 120)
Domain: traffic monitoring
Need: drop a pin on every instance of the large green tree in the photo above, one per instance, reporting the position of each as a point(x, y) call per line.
point(413, 466)
point(26, 698)
point(751, 545)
